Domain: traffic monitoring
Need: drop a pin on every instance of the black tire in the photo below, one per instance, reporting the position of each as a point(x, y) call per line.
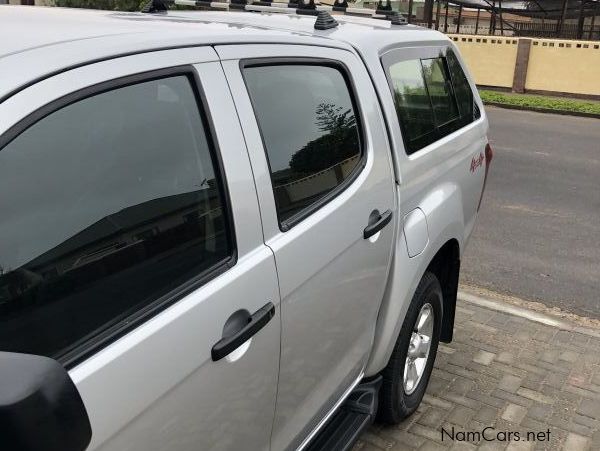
point(394, 403)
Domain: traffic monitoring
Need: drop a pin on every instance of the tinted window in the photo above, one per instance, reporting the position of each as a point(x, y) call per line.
point(464, 95)
point(310, 131)
point(412, 102)
point(107, 204)
point(440, 91)
point(425, 94)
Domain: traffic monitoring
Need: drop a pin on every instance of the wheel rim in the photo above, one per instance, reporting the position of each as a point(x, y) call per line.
point(418, 349)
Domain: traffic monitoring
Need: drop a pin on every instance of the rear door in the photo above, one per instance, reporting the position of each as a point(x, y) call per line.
point(132, 251)
point(322, 167)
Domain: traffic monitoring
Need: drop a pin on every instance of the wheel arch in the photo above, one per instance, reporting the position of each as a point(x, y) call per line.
point(445, 265)
point(405, 275)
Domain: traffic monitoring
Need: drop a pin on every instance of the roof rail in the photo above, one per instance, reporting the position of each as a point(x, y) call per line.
point(303, 7)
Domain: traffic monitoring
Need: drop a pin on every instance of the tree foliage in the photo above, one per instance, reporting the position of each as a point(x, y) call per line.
point(338, 143)
point(112, 5)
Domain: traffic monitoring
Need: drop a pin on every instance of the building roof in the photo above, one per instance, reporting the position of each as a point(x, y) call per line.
point(114, 226)
point(38, 41)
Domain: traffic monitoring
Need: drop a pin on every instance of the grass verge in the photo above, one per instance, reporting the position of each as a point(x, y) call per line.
point(526, 101)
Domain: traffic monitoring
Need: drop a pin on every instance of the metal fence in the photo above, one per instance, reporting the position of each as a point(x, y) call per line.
point(579, 19)
point(549, 30)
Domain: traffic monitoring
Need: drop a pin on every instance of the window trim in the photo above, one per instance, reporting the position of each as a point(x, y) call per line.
point(86, 347)
point(292, 221)
point(398, 55)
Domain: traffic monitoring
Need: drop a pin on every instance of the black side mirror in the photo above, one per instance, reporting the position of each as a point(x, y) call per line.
point(40, 407)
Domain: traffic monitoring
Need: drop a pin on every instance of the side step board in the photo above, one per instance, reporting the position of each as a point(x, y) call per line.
point(353, 417)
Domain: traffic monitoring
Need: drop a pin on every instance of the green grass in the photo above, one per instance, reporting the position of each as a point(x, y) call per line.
point(542, 102)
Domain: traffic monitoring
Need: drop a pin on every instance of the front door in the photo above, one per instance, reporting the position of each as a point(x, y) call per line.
point(132, 251)
point(322, 166)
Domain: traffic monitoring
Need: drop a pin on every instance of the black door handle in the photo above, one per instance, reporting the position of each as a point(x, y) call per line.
point(376, 223)
point(256, 322)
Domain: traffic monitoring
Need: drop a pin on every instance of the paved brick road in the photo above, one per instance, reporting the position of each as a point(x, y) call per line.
point(508, 372)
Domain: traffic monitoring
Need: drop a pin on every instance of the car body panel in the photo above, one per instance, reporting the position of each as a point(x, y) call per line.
point(66, 38)
point(163, 369)
point(331, 278)
point(61, 38)
point(23, 103)
point(436, 179)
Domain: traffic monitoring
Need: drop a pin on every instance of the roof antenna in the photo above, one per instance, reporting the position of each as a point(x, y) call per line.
point(396, 18)
point(157, 6)
point(325, 21)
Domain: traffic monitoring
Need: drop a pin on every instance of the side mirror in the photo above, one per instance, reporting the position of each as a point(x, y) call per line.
point(40, 407)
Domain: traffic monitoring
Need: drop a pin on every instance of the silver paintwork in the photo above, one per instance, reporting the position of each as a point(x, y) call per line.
point(53, 39)
point(328, 313)
point(415, 232)
point(436, 180)
point(418, 349)
point(157, 388)
point(340, 300)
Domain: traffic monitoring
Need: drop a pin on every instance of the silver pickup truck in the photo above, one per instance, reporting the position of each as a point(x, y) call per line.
point(227, 230)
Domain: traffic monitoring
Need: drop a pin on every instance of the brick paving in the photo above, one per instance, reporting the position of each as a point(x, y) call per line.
point(509, 373)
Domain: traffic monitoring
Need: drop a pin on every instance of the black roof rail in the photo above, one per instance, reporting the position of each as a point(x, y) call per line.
point(304, 7)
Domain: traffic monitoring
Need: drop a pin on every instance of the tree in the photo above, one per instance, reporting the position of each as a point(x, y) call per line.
point(338, 143)
point(113, 5)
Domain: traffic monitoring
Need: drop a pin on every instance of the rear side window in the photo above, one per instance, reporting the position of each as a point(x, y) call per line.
point(440, 91)
point(467, 107)
point(109, 206)
point(310, 130)
point(432, 98)
point(412, 101)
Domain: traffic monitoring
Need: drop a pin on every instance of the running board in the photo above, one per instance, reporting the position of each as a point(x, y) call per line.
point(354, 415)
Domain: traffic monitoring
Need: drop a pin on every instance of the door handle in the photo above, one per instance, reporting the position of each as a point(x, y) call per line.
point(377, 222)
point(256, 322)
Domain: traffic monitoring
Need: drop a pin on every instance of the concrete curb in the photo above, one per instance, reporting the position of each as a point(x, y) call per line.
point(542, 110)
point(531, 315)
